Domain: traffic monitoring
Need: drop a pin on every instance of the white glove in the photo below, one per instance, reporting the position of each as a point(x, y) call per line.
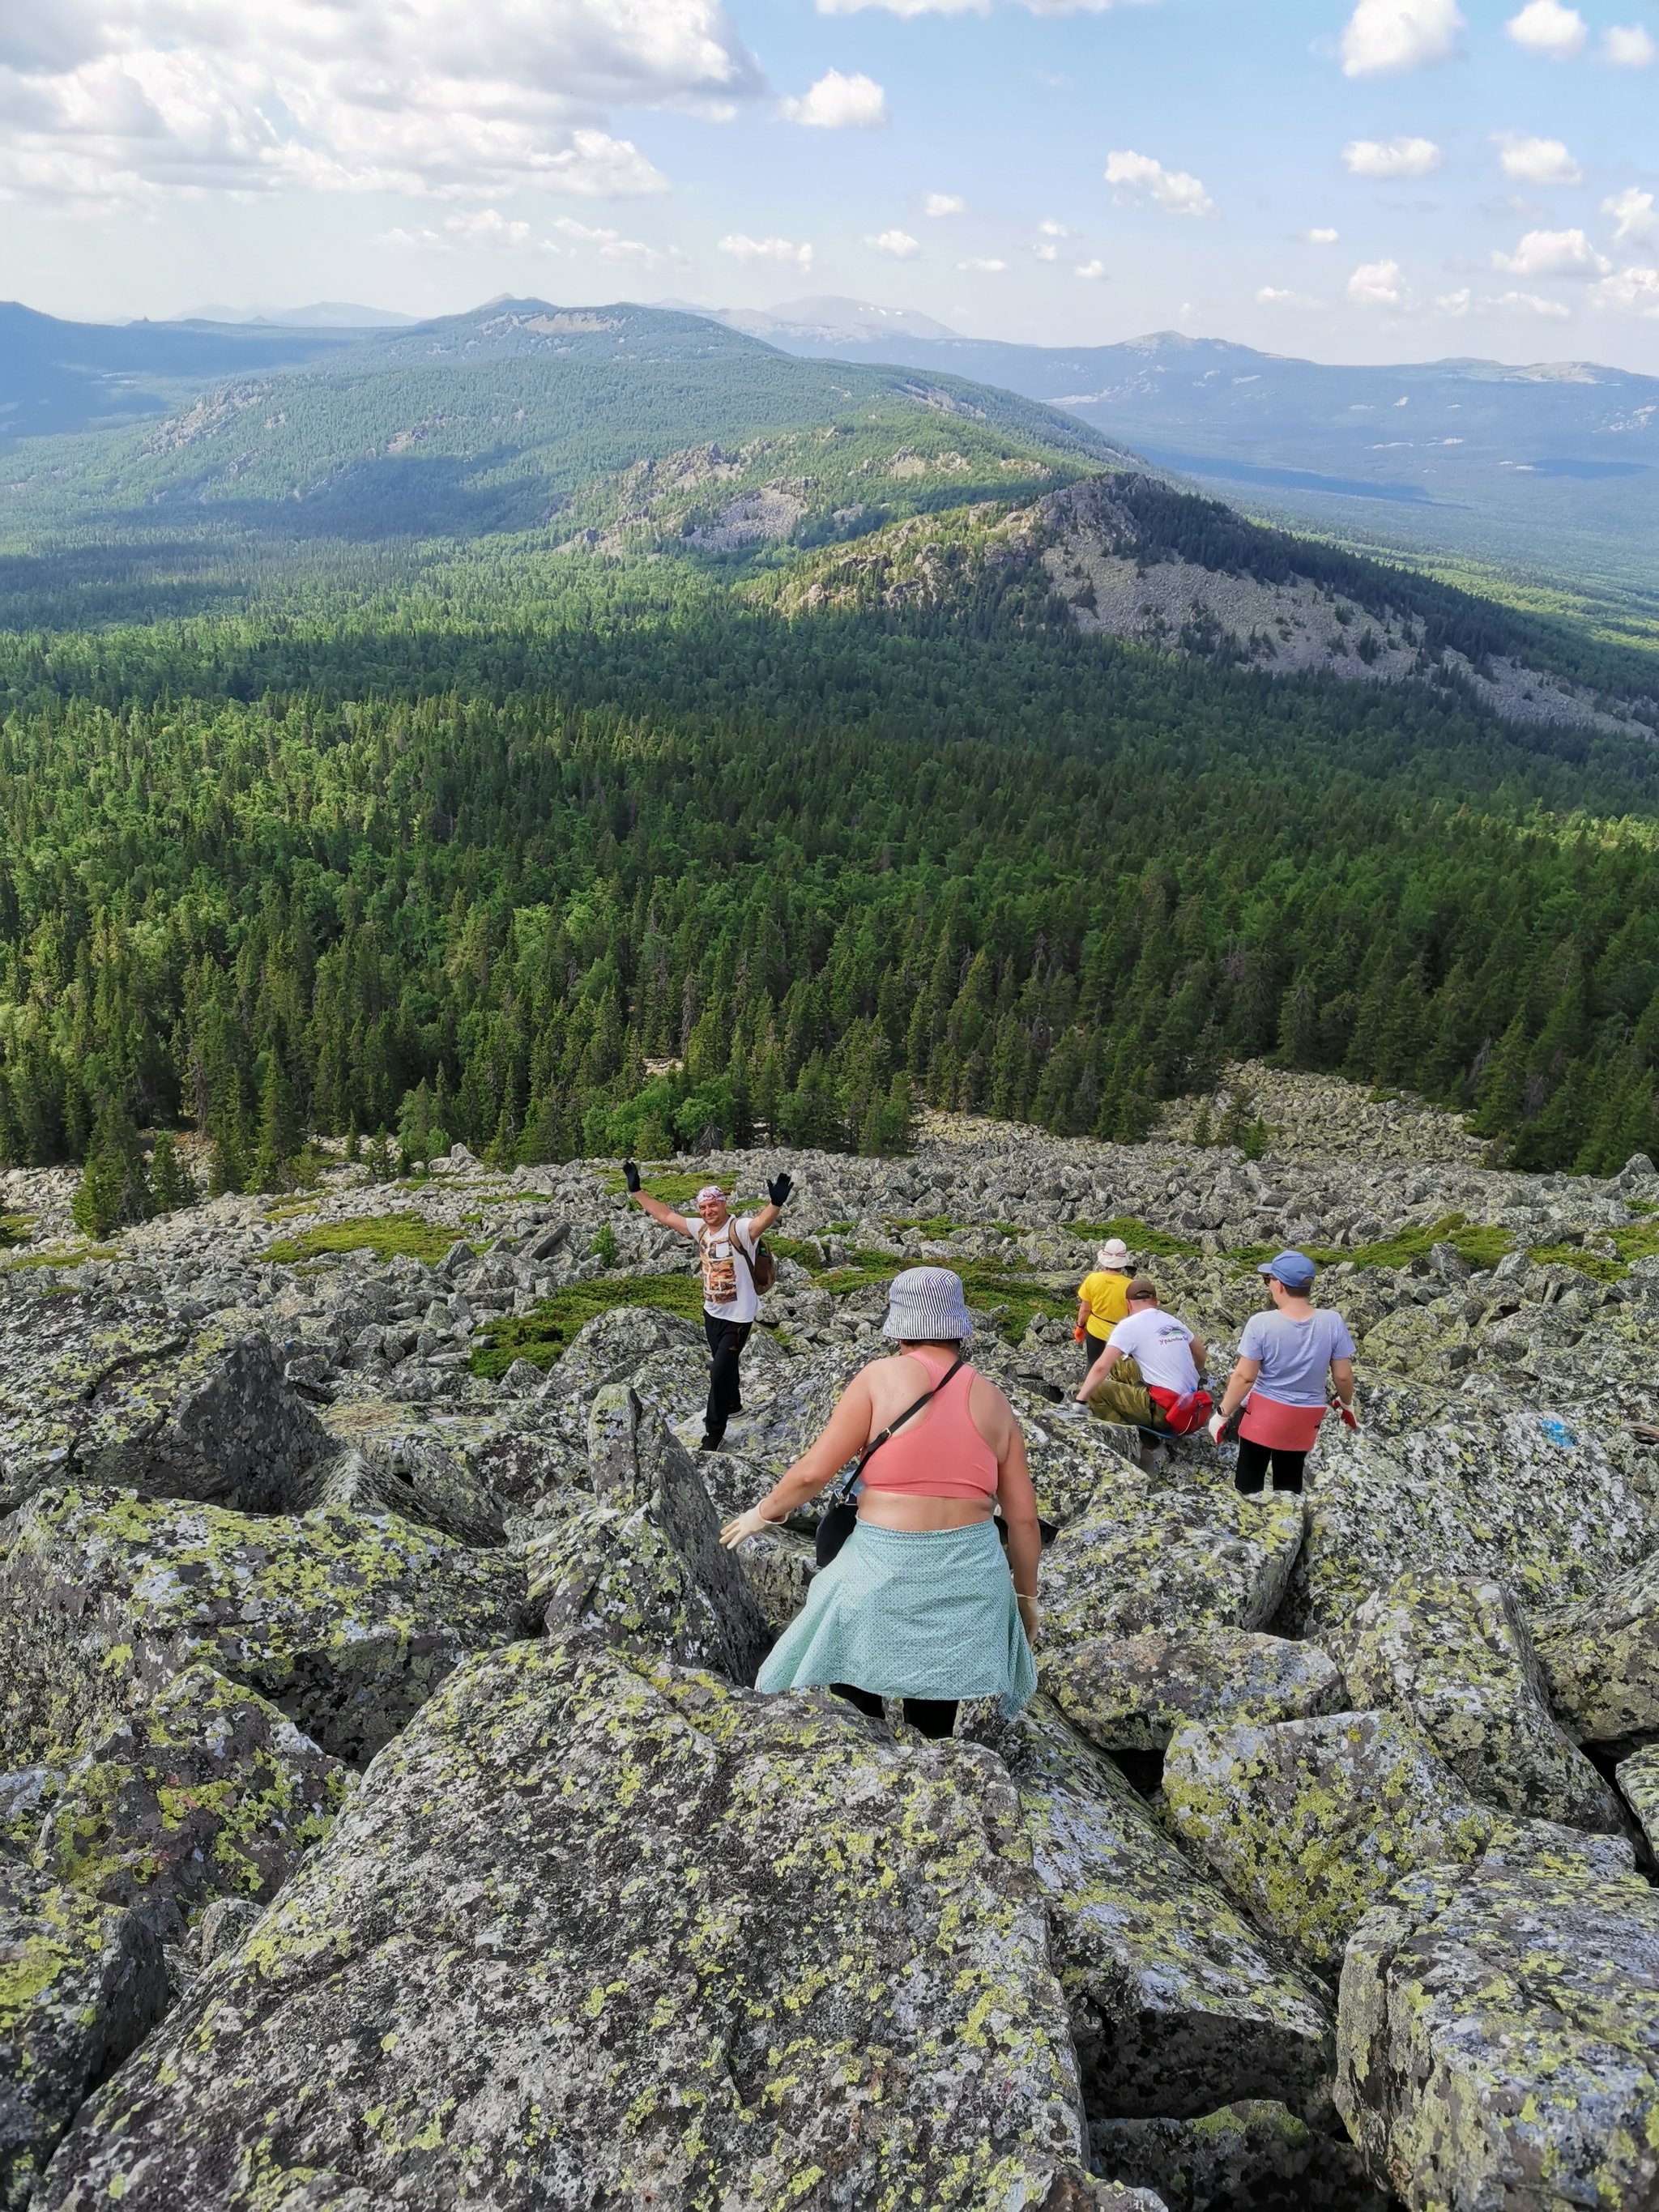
point(1214, 1426)
point(746, 1525)
point(1030, 1614)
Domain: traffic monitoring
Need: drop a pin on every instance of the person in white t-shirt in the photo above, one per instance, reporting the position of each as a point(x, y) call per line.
point(1148, 1373)
point(729, 1300)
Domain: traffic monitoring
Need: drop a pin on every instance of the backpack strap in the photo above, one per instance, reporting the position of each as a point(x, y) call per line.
point(855, 1476)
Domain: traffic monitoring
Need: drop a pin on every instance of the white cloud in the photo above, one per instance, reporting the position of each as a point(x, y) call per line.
point(132, 101)
point(1046, 253)
point(426, 241)
point(1091, 269)
point(744, 248)
point(1323, 237)
point(939, 203)
point(1633, 212)
point(1050, 228)
point(840, 103)
point(488, 228)
point(1544, 26)
point(1399, 34)
point(611, 245)
point(1632, 290)
point(1272, 296)
point(1173, 190)
point(1532, 303)
point(1536, 160)
point(898, 243)
point(1455, 303)
point(1627, 46)
point(1377, 284)
point(962, 7)
point(1392, 157)
point(986, 268)
point(1553, 253)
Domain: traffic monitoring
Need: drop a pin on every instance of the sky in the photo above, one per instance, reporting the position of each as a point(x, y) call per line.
point(1394, 181)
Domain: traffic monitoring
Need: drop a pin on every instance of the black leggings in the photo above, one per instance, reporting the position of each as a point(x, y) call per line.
point(934, 1716)
point(726, 1341)
point(1253, 1467)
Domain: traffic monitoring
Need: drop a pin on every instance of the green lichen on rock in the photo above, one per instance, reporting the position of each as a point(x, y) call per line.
point(1638, 1777)
point(596, 1931)
point(1499, 2037)
point(1601, 1658)
point(207, 1790)
point(1504, 1496)
point(1129, 1693)
point(81, 1982)
point(1254, 2153)
point(1310, 1823)
point(1142, 1557)
point(1456, 1659)
point(1176, 2003)
point(780, 1565)
point(347, 1621)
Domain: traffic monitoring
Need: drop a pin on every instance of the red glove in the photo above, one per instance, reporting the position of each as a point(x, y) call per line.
point(1078, 1334)
point(1346, 1412)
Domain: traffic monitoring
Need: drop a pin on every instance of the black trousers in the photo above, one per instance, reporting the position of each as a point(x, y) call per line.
point(1091, 1347)
point(1253, 1468)
point(934, 1716)
point(726, 1341)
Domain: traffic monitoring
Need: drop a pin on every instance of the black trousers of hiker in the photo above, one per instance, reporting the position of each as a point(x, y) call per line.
point(934, 1716)
point(726, 1341)
point(1253, 1468)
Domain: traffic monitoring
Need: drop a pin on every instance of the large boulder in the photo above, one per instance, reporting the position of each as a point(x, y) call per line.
point(81, 1984)
point(417, 1479)
point(1310, 1823)
point(207, 1790)
point(1499, 2041)
point(1130, 1693)
point(597, 1930)
point(1177, 2006)
point(1142, 1557)
point(1528, 1499)
point(1255, 2153)
point(1600, 1659)
point(1455, 1658)
point(1638, 1777)
point(346, 1621)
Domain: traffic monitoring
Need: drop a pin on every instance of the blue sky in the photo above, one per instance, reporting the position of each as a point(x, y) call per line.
point(1399, 180)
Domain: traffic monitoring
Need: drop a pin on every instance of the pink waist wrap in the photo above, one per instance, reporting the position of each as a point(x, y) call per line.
point(1279, 1427)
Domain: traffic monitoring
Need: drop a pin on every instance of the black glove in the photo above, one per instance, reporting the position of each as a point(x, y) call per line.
point(777, 1191)
point(631, 1174)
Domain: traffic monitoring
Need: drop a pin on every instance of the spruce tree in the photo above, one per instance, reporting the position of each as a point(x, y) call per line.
point(114, 1191)
point(279, 1128)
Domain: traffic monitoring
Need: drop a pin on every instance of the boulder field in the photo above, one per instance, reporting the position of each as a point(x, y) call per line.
point(388, 1817)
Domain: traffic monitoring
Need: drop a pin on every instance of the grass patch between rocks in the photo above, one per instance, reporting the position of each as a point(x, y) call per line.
point(1639, 1241)
point(1144, 1241)
point(674, 1188)
point(387, 1236)
point(542, 1336)
point(1481, 1245)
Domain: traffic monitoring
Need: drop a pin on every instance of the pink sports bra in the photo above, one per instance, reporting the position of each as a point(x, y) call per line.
point(938, 1453)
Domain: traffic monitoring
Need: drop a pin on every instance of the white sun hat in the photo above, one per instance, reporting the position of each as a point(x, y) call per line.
point(926, 1305)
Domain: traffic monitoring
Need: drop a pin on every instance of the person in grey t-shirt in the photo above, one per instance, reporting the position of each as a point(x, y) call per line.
point(1284, 1360)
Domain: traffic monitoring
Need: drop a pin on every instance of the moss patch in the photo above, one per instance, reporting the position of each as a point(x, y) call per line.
point(673, 1189)
point(1143, 1241)
point(542, 1336)
point(388, 1236)
point(1480, 1243)
point(1639, 1241)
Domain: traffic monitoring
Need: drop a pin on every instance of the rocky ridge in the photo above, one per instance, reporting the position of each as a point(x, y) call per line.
point(374, 1706)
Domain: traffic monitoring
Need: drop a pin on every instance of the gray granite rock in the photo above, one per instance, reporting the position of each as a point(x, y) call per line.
point(1255, 2153)
point(1143, 1557)
point(1601, 1658)
point(1129, 1693)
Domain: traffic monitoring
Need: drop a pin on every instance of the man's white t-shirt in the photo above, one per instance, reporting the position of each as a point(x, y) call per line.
point(732, 1240)
point(1158, 1341)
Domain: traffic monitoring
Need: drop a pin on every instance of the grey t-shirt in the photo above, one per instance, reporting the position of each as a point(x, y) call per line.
point(1295, 1355)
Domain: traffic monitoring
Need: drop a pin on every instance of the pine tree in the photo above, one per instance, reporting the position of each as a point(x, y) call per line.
point(171, 1182)
point(279, 1128)
point(114, 1190)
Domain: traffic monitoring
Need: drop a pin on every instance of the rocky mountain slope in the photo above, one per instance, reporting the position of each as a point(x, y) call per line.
point(386, 1815)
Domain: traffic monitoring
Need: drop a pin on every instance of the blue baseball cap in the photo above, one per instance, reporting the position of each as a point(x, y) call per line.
point(1294, 1269)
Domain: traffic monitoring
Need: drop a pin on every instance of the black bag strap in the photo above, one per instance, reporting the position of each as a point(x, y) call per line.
point(855, 1474)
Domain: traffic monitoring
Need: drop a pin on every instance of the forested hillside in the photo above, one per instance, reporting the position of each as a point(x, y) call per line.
point(455, 836)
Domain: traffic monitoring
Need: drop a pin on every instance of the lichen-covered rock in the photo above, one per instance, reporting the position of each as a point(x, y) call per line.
point(1600, 1659)
point(118, 1391)
point(206, 1790)
point(1455, 1658)
point(595, 1931)
point(81, 1982)
point(1176, 2003)
point(1499, 2042)
point(346, 1621)
point(1638, 1777)
point(1310, 1823)
point(1516, 1497)
point(780, 1565)
point(1254, 2153)
point(1143, 1559)
point(419, 1480)
point(1128, 1693)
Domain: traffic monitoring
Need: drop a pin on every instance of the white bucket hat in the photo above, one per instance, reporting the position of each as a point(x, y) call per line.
point(926, 1305)
point(1114, 1253)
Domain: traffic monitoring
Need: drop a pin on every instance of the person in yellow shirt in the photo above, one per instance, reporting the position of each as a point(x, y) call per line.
point(1102, 1300)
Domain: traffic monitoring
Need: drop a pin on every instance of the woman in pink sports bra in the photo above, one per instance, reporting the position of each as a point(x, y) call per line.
point(921, 1602)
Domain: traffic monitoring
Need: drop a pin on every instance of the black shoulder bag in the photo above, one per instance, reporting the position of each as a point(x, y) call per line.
point(839, 1522)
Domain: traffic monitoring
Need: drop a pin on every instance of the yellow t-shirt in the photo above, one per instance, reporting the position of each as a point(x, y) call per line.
point(1107, 1296)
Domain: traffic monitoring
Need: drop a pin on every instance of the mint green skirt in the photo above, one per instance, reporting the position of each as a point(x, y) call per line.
point(903, 1615)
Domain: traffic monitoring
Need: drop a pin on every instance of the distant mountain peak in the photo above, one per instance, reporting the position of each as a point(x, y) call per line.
point(824, 317)
point(320, 315)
